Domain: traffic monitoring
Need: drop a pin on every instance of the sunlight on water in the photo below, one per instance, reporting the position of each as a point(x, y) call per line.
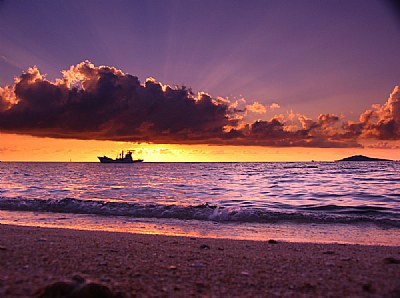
point(240, 184)
point(334, 193)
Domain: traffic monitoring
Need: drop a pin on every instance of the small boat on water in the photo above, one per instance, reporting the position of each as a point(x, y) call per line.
point(120, 159)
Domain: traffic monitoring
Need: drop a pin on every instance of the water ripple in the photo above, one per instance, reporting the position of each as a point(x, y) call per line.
point(277, 187)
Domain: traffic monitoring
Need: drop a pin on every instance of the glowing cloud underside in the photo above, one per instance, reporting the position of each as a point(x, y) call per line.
point(103, 103)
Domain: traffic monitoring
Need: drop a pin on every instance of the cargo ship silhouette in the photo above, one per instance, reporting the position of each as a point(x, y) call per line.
point(120, 159)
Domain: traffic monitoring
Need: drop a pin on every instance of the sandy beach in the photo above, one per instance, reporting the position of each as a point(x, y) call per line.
point(137, 265)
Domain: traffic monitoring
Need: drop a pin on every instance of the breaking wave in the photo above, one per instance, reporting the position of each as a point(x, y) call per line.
point(307, 214)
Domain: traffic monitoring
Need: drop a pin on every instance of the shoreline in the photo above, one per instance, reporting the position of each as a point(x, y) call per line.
point(155, 265)
point(282, 231)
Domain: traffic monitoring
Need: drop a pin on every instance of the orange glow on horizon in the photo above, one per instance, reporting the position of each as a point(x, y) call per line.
point(27, 148)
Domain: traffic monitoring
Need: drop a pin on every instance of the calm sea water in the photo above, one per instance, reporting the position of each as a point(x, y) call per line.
point(227, 194)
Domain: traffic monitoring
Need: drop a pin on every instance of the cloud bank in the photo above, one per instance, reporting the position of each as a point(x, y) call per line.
point(103, 103)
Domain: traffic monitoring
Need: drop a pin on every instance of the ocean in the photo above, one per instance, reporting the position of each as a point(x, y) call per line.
point(345, 202)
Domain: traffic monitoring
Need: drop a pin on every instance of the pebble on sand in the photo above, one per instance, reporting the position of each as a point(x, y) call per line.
point(204, 246)
point(391, 260)
point(76, 288)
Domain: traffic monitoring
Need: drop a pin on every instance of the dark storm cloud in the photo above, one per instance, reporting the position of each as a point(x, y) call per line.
point(103, 103)
point(3, 104)
point(313, 134)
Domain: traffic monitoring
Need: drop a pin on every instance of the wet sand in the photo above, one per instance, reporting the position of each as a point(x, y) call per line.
point(166, 266)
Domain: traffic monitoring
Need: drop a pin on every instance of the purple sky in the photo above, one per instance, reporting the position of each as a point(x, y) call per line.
point(310, 56)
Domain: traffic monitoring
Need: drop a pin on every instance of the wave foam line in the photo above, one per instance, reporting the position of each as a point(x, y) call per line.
point(203, 212)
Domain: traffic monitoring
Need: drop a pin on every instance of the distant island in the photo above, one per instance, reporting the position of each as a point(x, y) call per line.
point(362, 158)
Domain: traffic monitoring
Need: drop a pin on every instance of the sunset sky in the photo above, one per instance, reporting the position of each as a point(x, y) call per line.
point(199, 80)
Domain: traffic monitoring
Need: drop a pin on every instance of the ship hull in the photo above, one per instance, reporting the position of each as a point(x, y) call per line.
point(110, 160)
